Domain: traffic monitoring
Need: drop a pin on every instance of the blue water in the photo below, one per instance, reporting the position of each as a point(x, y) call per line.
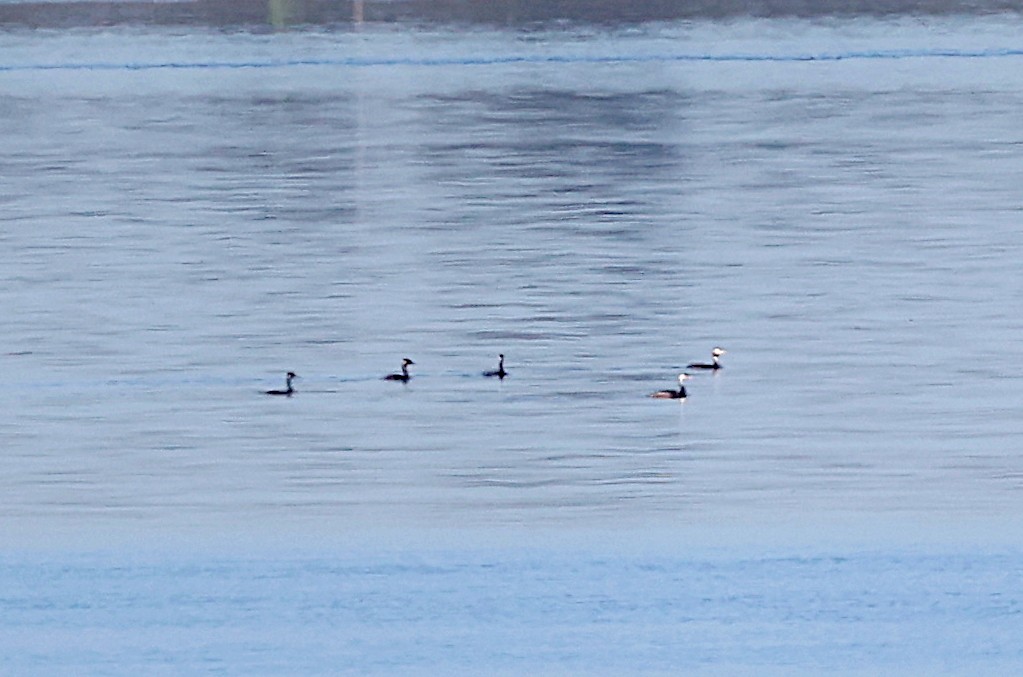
point(515, 611)
point(186, 214)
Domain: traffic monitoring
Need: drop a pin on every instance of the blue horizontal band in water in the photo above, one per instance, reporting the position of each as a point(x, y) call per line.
point(370, 62)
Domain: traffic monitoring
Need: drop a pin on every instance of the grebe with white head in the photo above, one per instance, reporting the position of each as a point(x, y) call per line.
point(403, 376)
point(679, 394)
point(289, 391)
point(715, 355)
point(499, 372)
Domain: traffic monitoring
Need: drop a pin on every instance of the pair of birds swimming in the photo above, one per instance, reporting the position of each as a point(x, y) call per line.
point(680, 394)
point(404, 376)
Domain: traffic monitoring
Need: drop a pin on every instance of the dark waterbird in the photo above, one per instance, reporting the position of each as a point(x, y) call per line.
point(679, 394)
point(714, 364)
point(499, 372)
point(287, 393)
point(403, 376)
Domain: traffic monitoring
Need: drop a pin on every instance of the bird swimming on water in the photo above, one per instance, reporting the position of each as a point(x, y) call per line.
point(499, 372)
point(289, 391)
point(715, 355)
point(403, 376)
point(679, 394)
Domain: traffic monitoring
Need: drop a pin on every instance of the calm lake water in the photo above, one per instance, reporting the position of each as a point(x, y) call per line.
point(187, 213)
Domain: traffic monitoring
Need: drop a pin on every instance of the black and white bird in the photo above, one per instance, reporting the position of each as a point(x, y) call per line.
point(714, 364)
point(499, 372)
point(287, 393)
point(679, 394)
point(403, 376)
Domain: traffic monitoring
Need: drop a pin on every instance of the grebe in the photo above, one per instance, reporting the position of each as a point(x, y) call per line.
point(714, 354)
point(499, 372)
point(403, 376)
point(679, 394)
point(286, 393)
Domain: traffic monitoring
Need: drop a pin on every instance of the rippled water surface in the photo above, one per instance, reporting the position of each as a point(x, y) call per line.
point(187, 214)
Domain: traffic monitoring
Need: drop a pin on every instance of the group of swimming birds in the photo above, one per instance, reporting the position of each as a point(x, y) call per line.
point(500, 373)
